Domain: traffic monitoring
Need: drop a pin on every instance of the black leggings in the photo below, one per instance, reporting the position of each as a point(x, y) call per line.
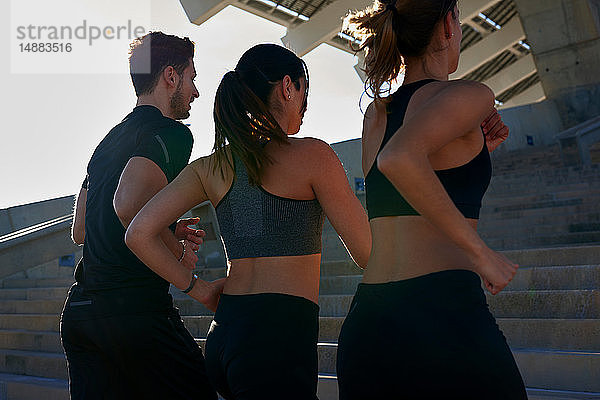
point(115, 351)
point(430, 337)
point(264, 346)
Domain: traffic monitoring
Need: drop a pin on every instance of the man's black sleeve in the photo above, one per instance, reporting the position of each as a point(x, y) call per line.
point(168, 147)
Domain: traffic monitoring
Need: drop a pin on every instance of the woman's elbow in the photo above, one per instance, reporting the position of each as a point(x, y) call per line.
point(363, 259)
point(390, 161)
point(124, 211)
point(133, 237)
point(385, 162)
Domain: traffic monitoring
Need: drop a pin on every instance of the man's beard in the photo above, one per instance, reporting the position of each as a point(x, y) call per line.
point(179, 107)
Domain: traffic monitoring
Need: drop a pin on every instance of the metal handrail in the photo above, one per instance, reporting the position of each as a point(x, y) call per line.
point(35, 245)
point(35, 228)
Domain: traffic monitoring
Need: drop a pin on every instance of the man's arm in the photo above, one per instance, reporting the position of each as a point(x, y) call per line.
point(144, 233)
point(78, 227)
point(139, 182)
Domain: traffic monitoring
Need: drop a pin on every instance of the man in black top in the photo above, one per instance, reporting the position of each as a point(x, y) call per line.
point(122, 336)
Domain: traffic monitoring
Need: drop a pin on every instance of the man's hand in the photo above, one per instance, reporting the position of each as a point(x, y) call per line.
point(494, 130)
point(184, 232)
point(189, 254)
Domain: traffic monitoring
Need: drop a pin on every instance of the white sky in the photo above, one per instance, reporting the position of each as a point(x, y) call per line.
point(51, 122)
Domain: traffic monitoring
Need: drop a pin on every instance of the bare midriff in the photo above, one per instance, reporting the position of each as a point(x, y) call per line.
point(406, 247)
point(293, 275)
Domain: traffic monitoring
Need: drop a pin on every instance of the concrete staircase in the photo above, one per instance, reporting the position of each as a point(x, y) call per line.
point(32, 364)
point(533, 201)
point(550, 315)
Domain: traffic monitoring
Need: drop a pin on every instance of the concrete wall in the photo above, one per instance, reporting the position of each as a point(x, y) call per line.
point(22, 253)
point(23, 216)
point(350, 155)
point(541, 121)
point(579, 104)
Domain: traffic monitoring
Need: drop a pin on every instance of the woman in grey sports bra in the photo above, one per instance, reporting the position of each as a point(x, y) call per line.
point(271, 193)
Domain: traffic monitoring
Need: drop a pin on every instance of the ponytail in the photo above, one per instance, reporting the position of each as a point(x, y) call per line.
point(390, 30)
point(242, 108)
point(374, 26)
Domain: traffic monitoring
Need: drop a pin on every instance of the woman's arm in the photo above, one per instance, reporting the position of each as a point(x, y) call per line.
point(374, 123)
point(453, 112)
point(496, 132)
point(143, 235)
point(340, 204)
point(140, 180)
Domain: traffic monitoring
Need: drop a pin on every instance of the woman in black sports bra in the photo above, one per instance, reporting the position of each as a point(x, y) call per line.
point(271, 193)
point(419, 326)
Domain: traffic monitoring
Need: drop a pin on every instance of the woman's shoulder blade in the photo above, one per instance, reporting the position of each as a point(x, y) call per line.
point(476, 91)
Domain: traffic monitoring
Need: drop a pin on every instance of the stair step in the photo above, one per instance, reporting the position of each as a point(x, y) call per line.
point(560, 370)
point(31, 306)
point(32, 322)
point(520, 187)
point(577, 304)
point(335, 268)
point(556, 334)
point(564, 277)
point(565, 304)
point(556, 278)
point(197, 325)
point(329, 327)
point(19, 339)
point(559, 211)
point(50, 293)
point(563, 334)
point(327, 388)
point(210, 274)
point(517, 242)
point(555, 179)
point(486, 224)
point(519, 230)
point(345, 284)
point(555, 256)
point(39, 283)
point(528, 257)
point(568, 304)
point(568, 174)
point(548, 394)
point(532, 199)
point(540, 368)
point(45, 365)
point(543, 369)
point(21, 387)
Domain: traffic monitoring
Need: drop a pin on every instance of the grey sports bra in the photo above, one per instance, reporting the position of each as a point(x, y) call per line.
point(256, 223)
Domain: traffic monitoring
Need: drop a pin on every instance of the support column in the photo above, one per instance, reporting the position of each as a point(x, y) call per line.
point(565, 40)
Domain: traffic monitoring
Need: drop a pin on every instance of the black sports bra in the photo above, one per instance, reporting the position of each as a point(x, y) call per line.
point(465, 184)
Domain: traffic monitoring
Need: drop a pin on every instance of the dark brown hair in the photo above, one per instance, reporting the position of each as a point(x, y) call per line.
point(391, 30)
point(243, 102)
point(150, 54)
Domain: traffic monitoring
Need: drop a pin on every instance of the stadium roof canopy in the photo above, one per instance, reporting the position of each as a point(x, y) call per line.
point(494, 47)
